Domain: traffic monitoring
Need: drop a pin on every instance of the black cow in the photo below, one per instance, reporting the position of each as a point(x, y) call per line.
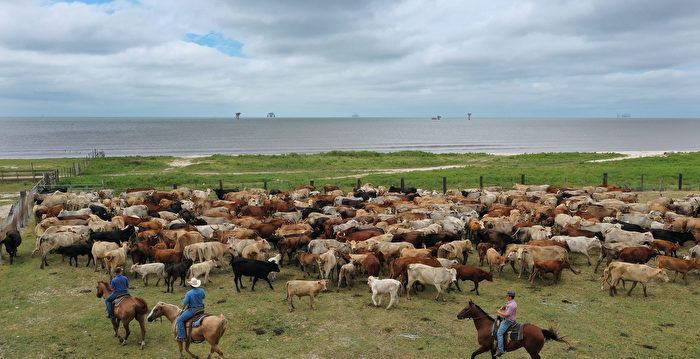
point(179, 226)
point(72, 252)
point(501, 240)
point(252, 268)
point(12, 241)
point(101, 212)
point(672, 236)
point(431, 239)
point(221, 192)
point(630, 226)
point(114, 236)
point(178, 270)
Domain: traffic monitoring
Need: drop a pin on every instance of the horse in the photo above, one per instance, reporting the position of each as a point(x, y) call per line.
point(211, 330)
point(128, 309)
point(533, 336)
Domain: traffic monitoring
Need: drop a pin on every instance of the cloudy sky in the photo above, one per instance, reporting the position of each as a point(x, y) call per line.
point(335, 58)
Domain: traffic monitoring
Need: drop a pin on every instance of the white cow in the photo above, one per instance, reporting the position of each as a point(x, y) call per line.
point(616, 235)
point(199, 269)
point(441, 278)
point(579, 244)
point(380, 287)
point(157, 269)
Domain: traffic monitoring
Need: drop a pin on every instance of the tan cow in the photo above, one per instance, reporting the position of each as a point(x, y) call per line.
point(303, 288)
point(258, 250)
point(495, 260)
point(641, 273)
point(116, 258)
point(678, 265)
point(412, 252)
point(527, 256)
point(441, 278)
point(199, 269)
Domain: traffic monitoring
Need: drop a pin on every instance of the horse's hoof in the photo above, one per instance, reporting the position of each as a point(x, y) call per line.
point(143, 344)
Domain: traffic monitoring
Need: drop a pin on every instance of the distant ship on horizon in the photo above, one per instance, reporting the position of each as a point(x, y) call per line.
point(624, 115)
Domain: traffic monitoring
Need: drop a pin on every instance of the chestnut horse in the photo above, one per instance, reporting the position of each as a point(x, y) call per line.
point(211, 330)
point(128, 309)
point(533, 336)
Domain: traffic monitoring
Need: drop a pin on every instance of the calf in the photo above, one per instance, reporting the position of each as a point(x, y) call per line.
point(327, 262)
point(72, 252)
point(554, 266)
point(303, 288)
point(347, 271)
point(199, 269)
point(178, 270)
point(441, 278)
point(399, 266)
point(380, 287)
point(638, 255)
point(495, 260)
point(678, 265)
point(157, 269)
point(641, 273)
point(12, 241)
point(481, 248)
point(672, 236)
point(308, 259)
point(666, 246)
point(276, 259)
point(473, 274)
point(252, 268)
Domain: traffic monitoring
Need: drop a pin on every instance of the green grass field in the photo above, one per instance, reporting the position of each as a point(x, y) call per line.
point(54, 313)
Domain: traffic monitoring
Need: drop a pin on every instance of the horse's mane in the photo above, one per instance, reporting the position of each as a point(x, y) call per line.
point(483, 312)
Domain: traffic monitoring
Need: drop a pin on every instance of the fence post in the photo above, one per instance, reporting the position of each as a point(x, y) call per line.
point(104, 184)
point(221, 185)
point(265, 185)
point(642, 182)
point(605, 179)
point(312, 183)
point(481, 182)
point(522, 178)
point(403, 184)
point(680, 181)
point(444, 185)
point(359, 183)
point(21, 209)
point(174, 186)
point(33, 174)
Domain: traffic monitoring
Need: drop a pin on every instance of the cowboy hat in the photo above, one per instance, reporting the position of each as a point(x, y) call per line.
point(194, 282)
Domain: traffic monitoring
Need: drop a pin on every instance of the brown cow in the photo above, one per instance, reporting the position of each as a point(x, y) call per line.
point(358, 236)
point(302, 288)
point(253, 211)
point(308, 259)
point(290, 244)
point(666, 246)
point(639, 255)
point(166, 255)
point(549, 242)
point(473, 274)
point(554, 266)
point(678, 265)
point(372, 263)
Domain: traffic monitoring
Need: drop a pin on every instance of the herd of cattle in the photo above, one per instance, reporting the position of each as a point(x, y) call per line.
point(409, 235)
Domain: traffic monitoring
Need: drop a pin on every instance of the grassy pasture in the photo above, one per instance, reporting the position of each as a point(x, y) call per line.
point(53, 313)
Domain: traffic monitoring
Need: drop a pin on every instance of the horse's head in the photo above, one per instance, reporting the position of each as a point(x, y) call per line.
point(101, 286)
point(468, 311)
point(156, 312)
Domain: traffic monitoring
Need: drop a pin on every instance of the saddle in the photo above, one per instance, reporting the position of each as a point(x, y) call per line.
point(118, 299)
point(195, 322)
point(513, 333)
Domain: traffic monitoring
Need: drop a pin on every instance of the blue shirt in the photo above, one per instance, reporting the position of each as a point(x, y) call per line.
point(120, 283)
point(195, 297)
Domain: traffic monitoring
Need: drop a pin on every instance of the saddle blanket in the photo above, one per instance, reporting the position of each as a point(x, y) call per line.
point(119, 299)
point(514, 333)
point(198, 322)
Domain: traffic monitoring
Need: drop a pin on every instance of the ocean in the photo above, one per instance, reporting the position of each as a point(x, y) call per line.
point(47, 137)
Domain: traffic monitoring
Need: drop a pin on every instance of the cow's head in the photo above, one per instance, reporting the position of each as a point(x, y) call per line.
point(662, 275)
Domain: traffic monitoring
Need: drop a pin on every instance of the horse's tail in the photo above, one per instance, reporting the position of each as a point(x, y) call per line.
point(551, 334)
point(221, 328)
point(141, 306)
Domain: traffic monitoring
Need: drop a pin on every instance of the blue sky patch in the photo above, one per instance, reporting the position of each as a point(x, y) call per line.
point(217, 41)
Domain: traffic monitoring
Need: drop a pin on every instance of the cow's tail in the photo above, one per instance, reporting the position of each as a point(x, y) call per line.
point(551, 334)
point(605, 278)
point(286, 288)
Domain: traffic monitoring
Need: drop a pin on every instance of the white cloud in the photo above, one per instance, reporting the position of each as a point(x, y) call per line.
point(315, 58)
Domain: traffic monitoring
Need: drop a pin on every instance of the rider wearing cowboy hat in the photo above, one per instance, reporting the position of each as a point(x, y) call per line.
point(508, 312)
point(120, 285)
point(194, 302)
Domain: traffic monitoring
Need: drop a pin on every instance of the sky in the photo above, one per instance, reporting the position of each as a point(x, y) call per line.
point(338, 58)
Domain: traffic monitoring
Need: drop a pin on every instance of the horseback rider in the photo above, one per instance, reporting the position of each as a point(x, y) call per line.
point(508, 312)
point(120, 285)
point(194, 302)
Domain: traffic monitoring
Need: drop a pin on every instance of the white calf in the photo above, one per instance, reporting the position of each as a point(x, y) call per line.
point(157, 269)
point(380, 287)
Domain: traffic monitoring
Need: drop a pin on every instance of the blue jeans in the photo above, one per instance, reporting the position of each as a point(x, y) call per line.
point(108, 301)
point(189, 313)
point(505, 323)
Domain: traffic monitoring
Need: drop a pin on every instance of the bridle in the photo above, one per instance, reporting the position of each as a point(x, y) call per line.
point(475, 318)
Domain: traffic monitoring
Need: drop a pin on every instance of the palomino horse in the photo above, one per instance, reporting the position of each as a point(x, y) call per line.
point(127, 310)
point(533, 336)
point(211, 330)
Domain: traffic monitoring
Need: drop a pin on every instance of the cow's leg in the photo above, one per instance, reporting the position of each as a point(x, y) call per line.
point(634, 284)
point(644, 286)
point(255, 280)
point(675, 276)
point(476, 287)
point(685, 277)
point(374, 298)
point(235, 281)
point(311, 299)
point(269, 283)
point(588, 258)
